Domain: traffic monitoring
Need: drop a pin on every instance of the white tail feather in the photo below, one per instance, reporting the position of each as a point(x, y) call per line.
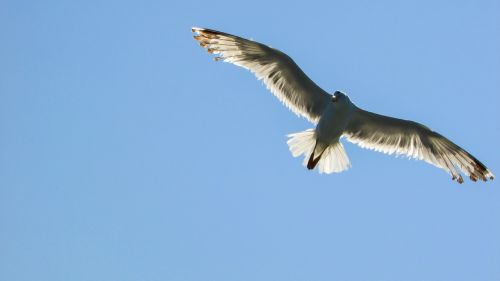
point(333, 160)
point(302, 143)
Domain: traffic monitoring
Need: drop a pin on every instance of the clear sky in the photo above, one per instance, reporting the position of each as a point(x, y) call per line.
point(127, 153)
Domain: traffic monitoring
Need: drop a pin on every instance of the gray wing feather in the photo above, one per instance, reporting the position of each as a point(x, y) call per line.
point(402, 137)
point(279, 72)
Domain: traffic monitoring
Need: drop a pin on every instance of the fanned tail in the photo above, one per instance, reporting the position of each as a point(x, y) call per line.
point(329, 158)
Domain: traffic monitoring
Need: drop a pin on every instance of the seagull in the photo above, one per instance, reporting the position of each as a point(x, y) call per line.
point(335, 116)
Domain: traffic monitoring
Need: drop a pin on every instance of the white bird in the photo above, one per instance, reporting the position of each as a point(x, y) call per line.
point(335, 116)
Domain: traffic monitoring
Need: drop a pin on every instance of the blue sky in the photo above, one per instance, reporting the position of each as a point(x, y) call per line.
point(127, 153)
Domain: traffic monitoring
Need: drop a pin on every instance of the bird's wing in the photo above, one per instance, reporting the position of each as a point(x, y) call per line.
point(278, 71)
point(402, 137)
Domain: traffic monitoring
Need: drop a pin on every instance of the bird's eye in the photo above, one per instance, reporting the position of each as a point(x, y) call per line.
point(334, 99)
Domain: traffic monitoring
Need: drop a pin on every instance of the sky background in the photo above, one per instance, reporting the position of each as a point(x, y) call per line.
point(127, 153)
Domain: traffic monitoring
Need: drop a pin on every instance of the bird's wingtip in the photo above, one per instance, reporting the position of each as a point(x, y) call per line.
point(196, 29)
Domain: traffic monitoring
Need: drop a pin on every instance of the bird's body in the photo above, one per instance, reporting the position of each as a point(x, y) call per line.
point(335, 116)
point(334, 119)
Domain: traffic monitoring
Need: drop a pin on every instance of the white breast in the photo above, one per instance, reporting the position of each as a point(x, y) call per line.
point(333, 122)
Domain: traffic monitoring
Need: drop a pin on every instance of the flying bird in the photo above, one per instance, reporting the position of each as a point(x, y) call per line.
point(335, 116)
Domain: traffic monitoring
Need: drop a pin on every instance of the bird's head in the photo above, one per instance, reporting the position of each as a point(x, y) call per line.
point(338, 96)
